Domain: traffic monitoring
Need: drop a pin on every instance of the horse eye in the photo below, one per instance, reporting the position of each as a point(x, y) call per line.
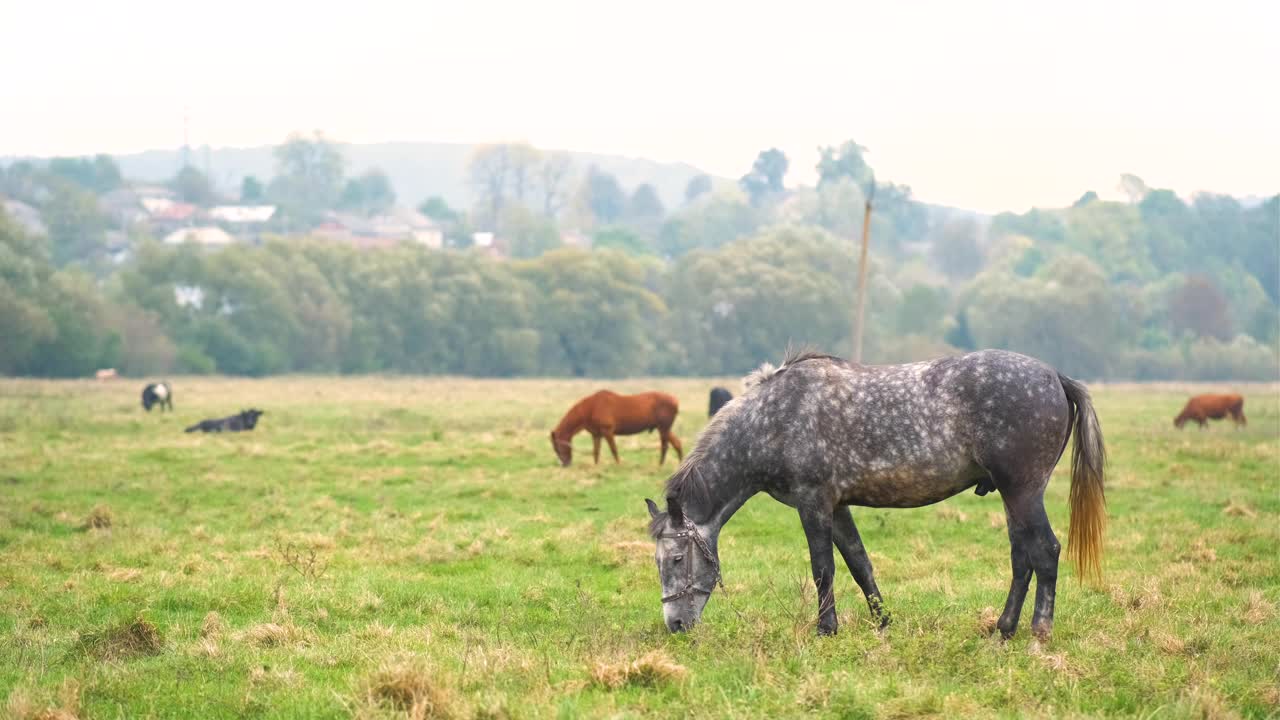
point(679, 558)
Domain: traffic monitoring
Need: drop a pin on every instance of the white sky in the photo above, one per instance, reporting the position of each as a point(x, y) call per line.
point(988, 105)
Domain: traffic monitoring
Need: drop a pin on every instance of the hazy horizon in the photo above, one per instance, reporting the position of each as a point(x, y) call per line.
point(993, 107)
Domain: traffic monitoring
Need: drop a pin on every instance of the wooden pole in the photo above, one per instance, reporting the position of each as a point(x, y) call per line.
point(862, 277)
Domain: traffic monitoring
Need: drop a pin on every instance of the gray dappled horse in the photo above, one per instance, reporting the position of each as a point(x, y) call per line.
point(820, 434)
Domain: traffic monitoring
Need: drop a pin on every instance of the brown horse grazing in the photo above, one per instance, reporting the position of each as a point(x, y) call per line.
point(1203, 408)
point(605, 414)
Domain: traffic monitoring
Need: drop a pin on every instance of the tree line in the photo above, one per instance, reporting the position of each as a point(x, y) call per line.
point(1154, 287)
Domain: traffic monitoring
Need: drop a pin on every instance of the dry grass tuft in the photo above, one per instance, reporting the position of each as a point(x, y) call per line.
point(272, 635)
point(1238, 508)
point(124, 641)
point(124, 575)
point(99, 518)
point(1200, 552)
point(213, 625)
point(653, 668)
point(1256, 608)
point(1210, 705)
point(987, 620)
point(997, 521)
point(1170, 644)
point(1270, 695)
point(411, 688)
point(947, 512)
point(21, 707)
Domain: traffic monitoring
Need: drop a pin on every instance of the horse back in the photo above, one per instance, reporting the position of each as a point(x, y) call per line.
point(630, 414)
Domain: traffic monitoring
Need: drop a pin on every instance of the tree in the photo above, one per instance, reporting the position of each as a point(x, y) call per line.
point(99, 174)
point(645, 211)
point(251, 190)
point(552, 177)
point(192, 186)
point(602, 196)
point(710, 223)
point(528, 233)
point(76, 225)
point(846, 162)
point(1133, 187)
point(620, 238)
point(309, 173)
point(369, 194)
point(955, 249)
point(1200, 308)
point(503, 173)
point(766, 176)
point(698, 186)
point(436, 208)
point(1085, 199)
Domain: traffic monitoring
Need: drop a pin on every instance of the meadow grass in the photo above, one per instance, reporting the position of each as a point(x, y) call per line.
point(400, 547)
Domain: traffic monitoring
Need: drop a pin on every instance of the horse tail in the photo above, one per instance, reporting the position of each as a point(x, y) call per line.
point(1088, 503)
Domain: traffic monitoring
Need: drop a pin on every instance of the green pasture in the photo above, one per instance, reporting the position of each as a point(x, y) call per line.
point(406, 547)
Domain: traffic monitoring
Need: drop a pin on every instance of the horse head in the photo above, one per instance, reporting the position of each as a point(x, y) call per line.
point(688, 566)
point(563, 448)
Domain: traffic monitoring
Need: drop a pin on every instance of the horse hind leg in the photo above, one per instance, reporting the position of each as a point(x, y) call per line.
point(845, 534)
point(662, 453)
point(1034, 548)
point(674, 441)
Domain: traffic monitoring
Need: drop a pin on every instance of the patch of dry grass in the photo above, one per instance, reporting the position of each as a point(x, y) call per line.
point(410, 687)
point(655, 667)
point(131, 639)
point(99, 518)
point(272, 635)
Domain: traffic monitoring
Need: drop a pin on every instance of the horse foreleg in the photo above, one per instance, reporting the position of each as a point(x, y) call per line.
point(662, 453)
point(846, 537)
point(613, 446)
point(595, 448)
point(817, 530)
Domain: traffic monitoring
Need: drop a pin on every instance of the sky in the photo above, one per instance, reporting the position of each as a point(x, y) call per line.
point(986, 105)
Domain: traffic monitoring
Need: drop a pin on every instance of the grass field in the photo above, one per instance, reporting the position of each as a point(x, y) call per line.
point(390, 547)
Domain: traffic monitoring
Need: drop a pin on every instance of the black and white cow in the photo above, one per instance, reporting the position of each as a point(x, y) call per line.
point(157, 394)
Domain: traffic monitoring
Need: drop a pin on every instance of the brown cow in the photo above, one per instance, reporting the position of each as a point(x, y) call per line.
point(1203, 408)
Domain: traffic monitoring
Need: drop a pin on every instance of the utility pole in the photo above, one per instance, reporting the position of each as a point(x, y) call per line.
point(862, 273)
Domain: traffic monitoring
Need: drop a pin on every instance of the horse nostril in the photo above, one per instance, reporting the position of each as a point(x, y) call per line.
point(677, 626)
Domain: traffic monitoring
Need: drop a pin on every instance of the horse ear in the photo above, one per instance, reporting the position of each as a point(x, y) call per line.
point(653, 507)
point(675, 511)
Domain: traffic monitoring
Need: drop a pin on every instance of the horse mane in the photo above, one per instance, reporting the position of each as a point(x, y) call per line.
point(688, 478)
point(792, 356)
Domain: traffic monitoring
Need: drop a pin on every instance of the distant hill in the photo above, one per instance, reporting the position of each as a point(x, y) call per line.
point(418, 170)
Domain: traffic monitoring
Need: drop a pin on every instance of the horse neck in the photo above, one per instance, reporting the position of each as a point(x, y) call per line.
point(572, 422)
point(711, 510)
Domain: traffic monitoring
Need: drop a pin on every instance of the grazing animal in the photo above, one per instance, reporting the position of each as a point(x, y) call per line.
point(157, 394)
point(606, 414)
point(820, 434)
point(246, 420)
point(105, 374)
point(719, 398)
point(1203, 408)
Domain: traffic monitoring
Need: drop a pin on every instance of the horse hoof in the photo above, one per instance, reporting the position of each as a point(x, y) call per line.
point(826, 631)
point(1042, 632)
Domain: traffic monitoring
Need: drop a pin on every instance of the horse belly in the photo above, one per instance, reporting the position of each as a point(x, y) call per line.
point(907, 486)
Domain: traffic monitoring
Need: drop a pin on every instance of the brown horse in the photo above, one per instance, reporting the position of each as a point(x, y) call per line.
point(605, 414)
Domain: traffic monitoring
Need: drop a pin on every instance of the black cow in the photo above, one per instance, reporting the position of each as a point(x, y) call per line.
point(719, 398)
point(246, 420)
point(157, 394)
